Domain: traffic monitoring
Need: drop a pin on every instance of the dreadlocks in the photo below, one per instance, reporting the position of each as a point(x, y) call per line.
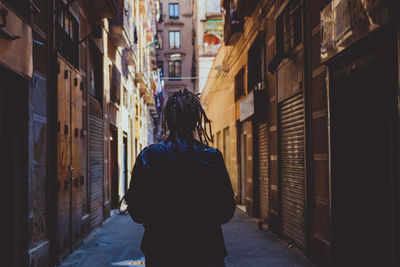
point(183, 115)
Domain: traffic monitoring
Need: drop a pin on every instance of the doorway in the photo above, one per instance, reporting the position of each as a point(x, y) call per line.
point(243, 165)
point(14, 168)
point(292, 169)
point(114, 169)
point(70, 148)
point(363, 148)
point(124, 165)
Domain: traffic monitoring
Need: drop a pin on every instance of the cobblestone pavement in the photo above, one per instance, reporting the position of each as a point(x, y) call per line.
point(117, 243)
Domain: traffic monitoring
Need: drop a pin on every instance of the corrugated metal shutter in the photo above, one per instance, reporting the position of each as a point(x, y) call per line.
point(292, 173)
point(96, 162)
point(263, 168)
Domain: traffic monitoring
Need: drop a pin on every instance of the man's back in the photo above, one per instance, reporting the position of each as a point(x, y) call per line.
point(182, 194)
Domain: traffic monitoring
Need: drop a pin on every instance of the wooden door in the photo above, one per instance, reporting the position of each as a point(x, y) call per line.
point(77, 145)
point(364, 143)
point(63, 158)
point(114, 170)
point(70, 153)
point(125, 165)
point(243, 164)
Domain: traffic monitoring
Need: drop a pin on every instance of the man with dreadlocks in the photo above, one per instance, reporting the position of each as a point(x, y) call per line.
point(181, 192)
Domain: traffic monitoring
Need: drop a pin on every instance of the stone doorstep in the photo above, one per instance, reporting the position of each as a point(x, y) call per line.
point(39, 255)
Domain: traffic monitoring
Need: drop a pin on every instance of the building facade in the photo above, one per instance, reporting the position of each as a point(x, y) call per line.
point(209, 26)
point(175, 46)
point(303, 96)
point(130, 61)
point(77, 105)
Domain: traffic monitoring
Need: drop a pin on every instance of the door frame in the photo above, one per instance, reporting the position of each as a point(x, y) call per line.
point(114, 166)
point(125, 162)
point(362, 54)
point(242, 155)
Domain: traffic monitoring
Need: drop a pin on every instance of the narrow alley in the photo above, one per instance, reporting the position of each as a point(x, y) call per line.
point(117, 243)
point(296, 104)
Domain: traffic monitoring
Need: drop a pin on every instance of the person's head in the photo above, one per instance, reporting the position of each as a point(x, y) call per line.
point(183, 117)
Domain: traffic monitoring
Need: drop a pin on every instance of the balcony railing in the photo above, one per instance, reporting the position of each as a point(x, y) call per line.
point(233, 27)
point(130, 55)
point(145, 89)
point(120, 30)
point(246, 7)
point(105, 8)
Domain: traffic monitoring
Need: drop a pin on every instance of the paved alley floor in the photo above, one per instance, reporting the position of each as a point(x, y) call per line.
point(117, 243)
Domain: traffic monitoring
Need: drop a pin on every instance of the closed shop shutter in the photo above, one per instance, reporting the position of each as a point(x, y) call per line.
point(96, 162)
point(263, 168)
point(292, 173)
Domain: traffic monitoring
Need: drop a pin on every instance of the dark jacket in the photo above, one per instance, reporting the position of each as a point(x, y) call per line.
point(181, 194)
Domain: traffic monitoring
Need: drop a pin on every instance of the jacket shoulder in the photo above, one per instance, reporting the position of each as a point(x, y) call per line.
point(166, 148)
point(211, 150)
point(153, 150)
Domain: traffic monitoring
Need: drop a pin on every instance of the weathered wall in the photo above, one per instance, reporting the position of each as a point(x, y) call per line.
point(38, 168)
point(318, 146)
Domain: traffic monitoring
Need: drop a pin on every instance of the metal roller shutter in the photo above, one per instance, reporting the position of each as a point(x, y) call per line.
point(96, 162)
point(291, 168)
point(263, 168)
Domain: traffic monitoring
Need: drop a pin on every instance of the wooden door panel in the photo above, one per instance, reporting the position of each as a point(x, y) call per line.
point(363, 115)
point(63, 158)
point(77, 152)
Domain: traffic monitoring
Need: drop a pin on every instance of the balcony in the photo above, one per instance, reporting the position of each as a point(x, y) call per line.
point(233, 29)
point(142, 7)
point(145, 89)
point(233, 24)
point(153, 111)
point(246, 7)
point(120, 31)
point(16, 42)
point(130, 55)
point(105, 8)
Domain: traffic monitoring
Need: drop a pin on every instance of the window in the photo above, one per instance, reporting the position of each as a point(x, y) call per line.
point(213, 6)
point(95, 72)
point(227, 148)
point(175, 69)
point(125, 98)
point(67, 36)
point(288, 28)
point(174, 11)
point(219, 141)
point(136, 147)
point(174, 40)
point(159, 40)
point(160, 67)
point(239, 84)
point(115, 84)
point(159, 14)
point(256, 74)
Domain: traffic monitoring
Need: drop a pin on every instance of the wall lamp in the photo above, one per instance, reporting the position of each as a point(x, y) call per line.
point(221, 68)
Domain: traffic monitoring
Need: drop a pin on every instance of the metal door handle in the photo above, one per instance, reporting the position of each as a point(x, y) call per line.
point(74, 181)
